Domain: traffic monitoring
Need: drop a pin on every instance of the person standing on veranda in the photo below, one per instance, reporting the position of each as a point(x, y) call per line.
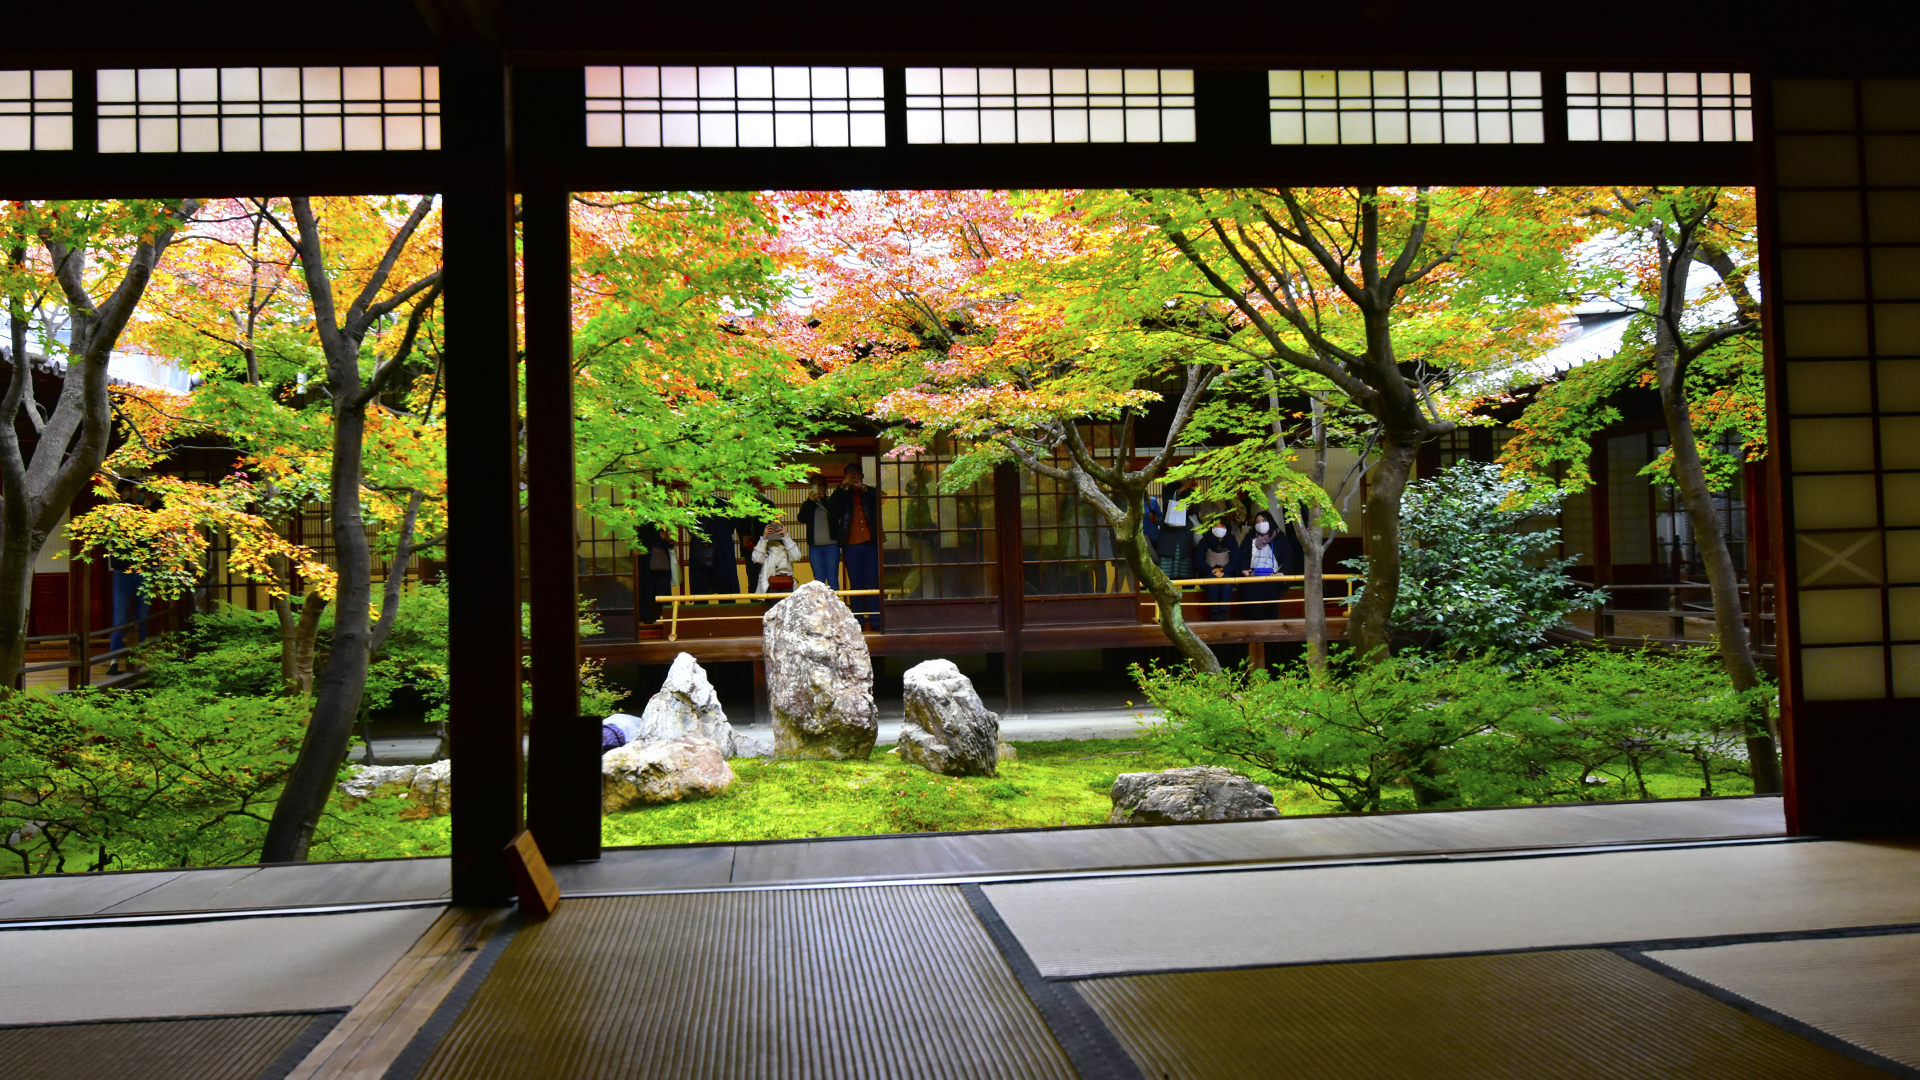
point(823, 544)
point(774, 552)
point(1266, 552)
point(1175, 542)
point(855, 513)
point(1215, 554)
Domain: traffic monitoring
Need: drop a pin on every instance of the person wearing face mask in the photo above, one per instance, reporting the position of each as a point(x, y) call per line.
point(1213, 555)
point(1267, 551)
point(1175, 542)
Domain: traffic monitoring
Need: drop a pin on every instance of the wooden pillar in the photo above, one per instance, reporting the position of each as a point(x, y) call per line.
point(483, 471)
point(1600, 496)
point(79, 616)
point(1257, 654)
point(1013, 579)
point(563, 747)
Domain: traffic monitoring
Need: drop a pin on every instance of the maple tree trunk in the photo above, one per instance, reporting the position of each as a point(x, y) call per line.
point(1370, 625)
point(16, 585)
point(1173, 623)
point(306, 637)
point(1730, 629)
point(344, 682)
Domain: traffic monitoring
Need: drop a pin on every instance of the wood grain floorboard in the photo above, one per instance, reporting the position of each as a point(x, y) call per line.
point(374, 1033)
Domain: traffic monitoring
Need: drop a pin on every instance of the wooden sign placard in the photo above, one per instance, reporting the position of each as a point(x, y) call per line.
point(539, 893)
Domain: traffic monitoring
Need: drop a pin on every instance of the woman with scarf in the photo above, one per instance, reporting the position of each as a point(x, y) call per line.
point(1267, 550)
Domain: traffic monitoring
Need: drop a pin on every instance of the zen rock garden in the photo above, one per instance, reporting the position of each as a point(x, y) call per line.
point(820, 685)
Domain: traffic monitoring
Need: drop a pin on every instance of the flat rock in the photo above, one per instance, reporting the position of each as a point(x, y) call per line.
point(819, 678)
point(1196, 793)
point(947, 730)
point(646, 774)
point(428, 787)
point(685, 705)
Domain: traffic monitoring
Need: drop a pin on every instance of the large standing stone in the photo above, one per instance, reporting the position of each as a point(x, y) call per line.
point(819, 678)
point(641, 774)
point(946, 729)
point(686, 705)
point(1198, 793)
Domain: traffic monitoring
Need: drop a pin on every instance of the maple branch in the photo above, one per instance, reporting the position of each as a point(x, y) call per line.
point(1198, 376)
point(383, 307)
point(363, 310)
point(1336, 268)
point(378, 381)
point(396, 572)
point(1340, 378)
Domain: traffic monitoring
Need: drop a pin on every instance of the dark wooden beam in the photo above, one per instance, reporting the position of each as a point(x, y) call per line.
point(563, 747)
point(483, 475)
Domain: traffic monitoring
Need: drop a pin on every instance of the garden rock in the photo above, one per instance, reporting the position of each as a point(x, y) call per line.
point(819, 678)
point(1007, 752)
point(685, 705)
point(428, 787)
point(1199, 793)
point(947, 730)
point(645, 774)
point(746, 746)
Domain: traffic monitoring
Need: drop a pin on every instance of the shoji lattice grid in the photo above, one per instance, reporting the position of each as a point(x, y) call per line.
point(736, 106)
point(36, 110)
point(1847, 169)
point(1659, 106)
point(204, 110)
point(1049, 105)
point(1362, 107)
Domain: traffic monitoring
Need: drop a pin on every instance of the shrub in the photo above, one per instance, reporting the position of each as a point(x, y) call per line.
point(1484, 731)
point(1472, 572)
point(122, 779)
point(1353, 738)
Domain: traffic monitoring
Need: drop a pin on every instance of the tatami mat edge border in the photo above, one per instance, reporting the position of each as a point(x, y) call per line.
point(1658, 945)
point(172, 918)
point(425, 1041)
point(299, 1048)
point(1096, 1054)
point(1401, 858)
point(1773, 1016)
point(336, 1011)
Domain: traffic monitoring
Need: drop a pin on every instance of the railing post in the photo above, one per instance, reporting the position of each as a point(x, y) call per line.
point(80, 617)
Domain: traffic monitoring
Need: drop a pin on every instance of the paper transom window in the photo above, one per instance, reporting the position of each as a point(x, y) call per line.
point(1049, 105)
point(36, 110)
point(205, 110)
point(1397, 107)
point(736, 106)
point(1655, 106)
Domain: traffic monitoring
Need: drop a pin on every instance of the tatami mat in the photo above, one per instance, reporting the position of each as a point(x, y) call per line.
point(894, 982)
point(216, 1048)
point(1311, 914)
point(1865, 990)
point(233, 888)
point(202, 968)
point(1575, 1014)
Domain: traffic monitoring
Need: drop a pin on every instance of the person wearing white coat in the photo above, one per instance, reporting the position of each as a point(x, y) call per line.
point(775, 552)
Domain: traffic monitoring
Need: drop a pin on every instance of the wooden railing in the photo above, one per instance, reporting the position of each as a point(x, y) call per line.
point(676, 599)
point(1269, 579)
point(81, 660)
point(1683, 601)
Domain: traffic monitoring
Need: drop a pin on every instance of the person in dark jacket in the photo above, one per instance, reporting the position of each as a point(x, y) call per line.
point(656, 571)
point(1213, 556)
point(1174, 545)
point(816, 531)
point(854, 511)
point(713, 562)
point(1267, 550)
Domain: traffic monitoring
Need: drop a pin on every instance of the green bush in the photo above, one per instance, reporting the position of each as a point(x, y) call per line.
point(1484, 731)
point(125, 779)
point(1473, 575)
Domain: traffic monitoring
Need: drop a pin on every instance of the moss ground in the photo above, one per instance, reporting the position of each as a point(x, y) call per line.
point(1052, 783)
